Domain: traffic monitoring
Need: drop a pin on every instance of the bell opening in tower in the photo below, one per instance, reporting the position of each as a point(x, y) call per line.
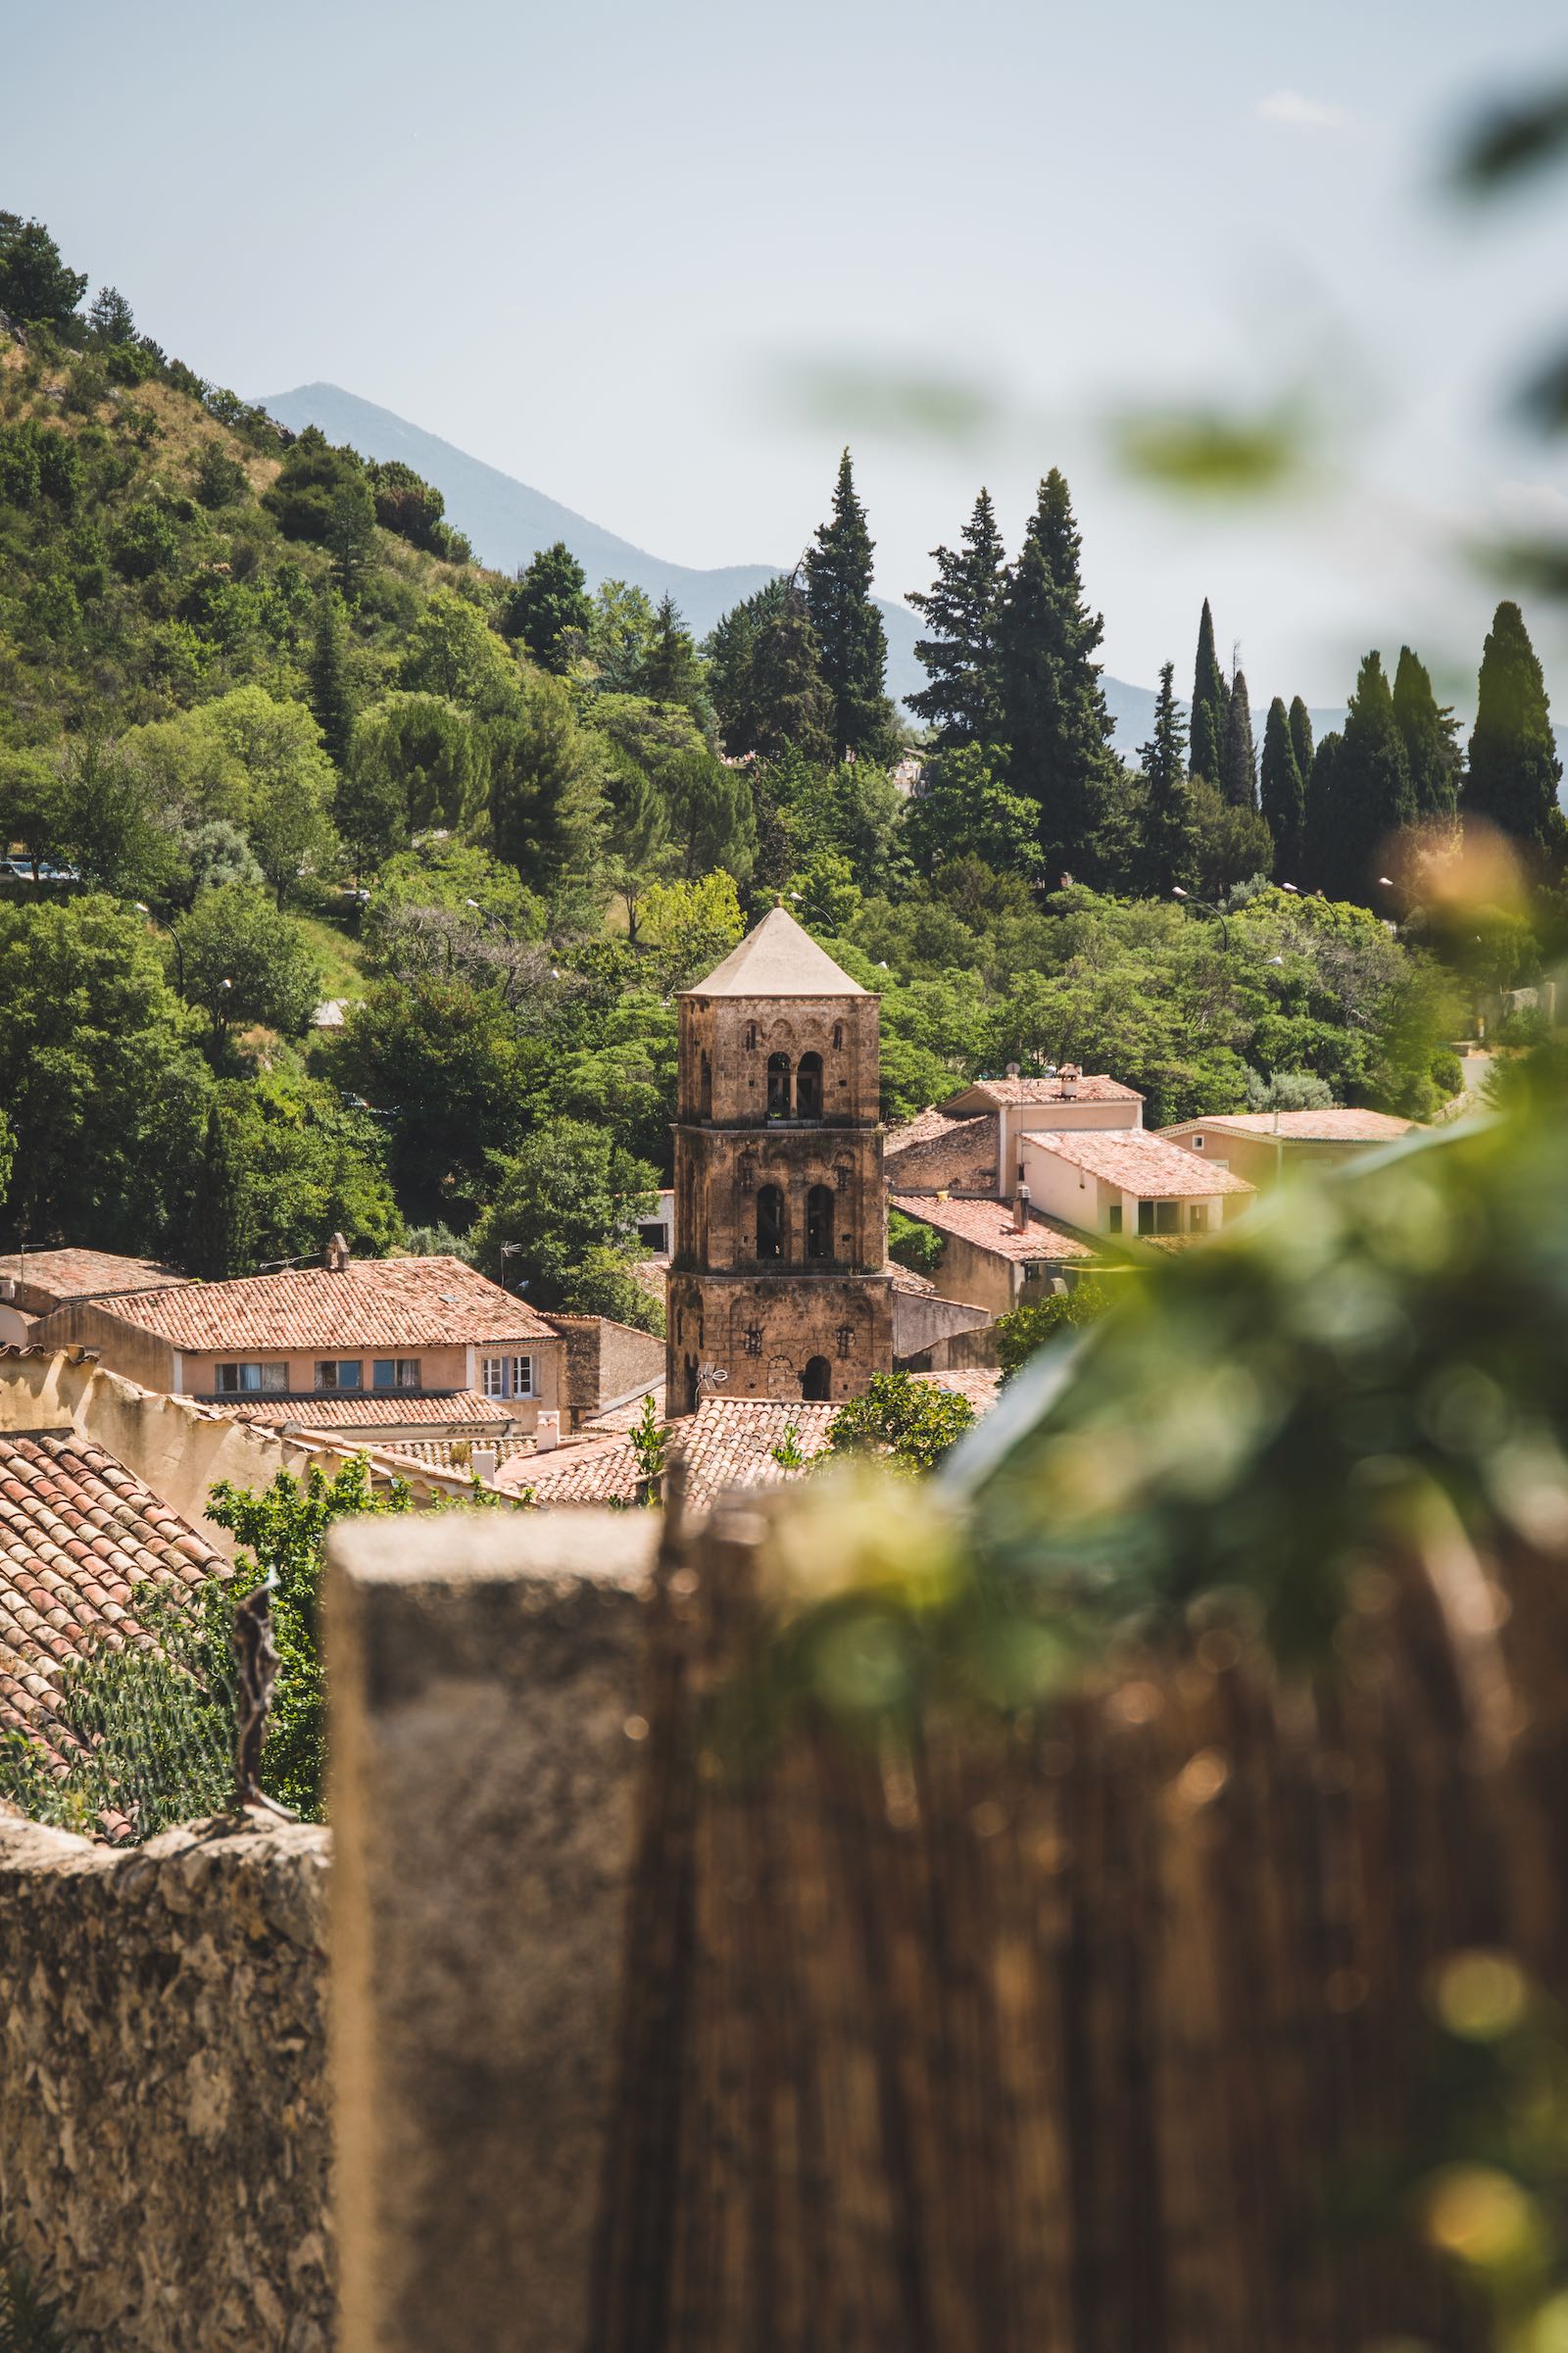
point(778, 1086)
point(808, 1086)
point(770, 1222)
point(820, 1222)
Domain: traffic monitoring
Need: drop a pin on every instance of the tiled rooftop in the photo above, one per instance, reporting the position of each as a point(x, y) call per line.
point(989, 1226)
point(621, 1417)
point(1039, 1091)
point(72, 1274)
point(1137, 1162)
point(78, 1536)
point(728, 1442)
point(924, 1127)
point(368, 1409)
point(371, 1302)
point(1330, 1124)
point(438, 1453)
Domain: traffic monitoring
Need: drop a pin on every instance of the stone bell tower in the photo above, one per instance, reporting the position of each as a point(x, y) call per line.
point(776, 1287)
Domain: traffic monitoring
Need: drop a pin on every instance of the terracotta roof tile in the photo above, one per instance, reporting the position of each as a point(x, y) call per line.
point(372, 1302)
point(1041, 1091)
point(1137, 1162)
point(989, 1226)
point(1332, 1123)
point(73, 1274)
point(369, 1408)
point(923, 1127)
point(66, 1586)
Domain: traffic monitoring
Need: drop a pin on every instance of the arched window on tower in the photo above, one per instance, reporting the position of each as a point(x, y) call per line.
point(820, 1222)
point(817, 1381)
point(838, 1037)
point(808, 1086)
point(778, 1086)
point(770, 1222)
point(704, 1090)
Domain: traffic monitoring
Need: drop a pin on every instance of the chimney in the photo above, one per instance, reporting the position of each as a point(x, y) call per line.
point(547, 1431)
point(482, 1462)
point(1020, 1208)
point(1069, 1081)
point(335, 1256)
point(1012, 1069)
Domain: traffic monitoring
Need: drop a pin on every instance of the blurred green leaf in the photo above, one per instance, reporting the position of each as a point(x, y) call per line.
point(1204, 453)
point(1511, 140)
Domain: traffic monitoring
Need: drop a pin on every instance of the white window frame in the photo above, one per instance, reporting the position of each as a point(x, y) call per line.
point(507, 1377)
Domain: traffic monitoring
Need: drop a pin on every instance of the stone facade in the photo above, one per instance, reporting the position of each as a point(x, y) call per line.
point(776, 1289)
point(164, 2139)
point(945, 1155)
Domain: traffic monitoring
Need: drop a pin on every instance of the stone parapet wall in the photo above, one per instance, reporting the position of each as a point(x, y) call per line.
point(164, 2121)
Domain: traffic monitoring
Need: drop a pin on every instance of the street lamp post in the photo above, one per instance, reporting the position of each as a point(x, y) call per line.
point(1189, 901)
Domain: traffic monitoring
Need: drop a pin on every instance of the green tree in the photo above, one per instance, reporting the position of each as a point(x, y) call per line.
point(689, 927)
point(242, 961)
point(284, 1527)
point(1027, 1330)
point(331, 694)
point(424, 758)
point(286, 780)
point(8, 1154)
point(1239, 760)
point(1514, 770)
point(351, 536)
point(964, 809)
point(1301, 738)
point(308, 1166)
point(671, 671)
point(547, 802)
point(1210, 699)
point(413, 508)
point(708, 817)
point(35, 286)
point(1318, 842)
point(620, 635)
point(440, 1061)
point(1372, 798)
point(549, 608)
point(911, 1243)
point(452, 652)
point(34, 807)
point(214, 1242)
point(849, 627)
point(109, 317)
point(1284, 793)
point(304, 494)
point(908, 1421)
point(791, 704)
point(963, 700)
point(1169, 849)
point(102, 1085)
point(1428, 732)
point(219, 480)
point(1056, 718)
point(570, 1200)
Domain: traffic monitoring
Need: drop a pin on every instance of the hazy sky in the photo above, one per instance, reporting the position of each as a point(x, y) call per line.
point(656, 260)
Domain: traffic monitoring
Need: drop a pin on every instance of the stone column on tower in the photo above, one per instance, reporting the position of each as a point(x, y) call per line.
point(776, 1285)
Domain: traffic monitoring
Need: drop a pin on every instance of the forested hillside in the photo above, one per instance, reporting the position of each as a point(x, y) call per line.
point(270, 736)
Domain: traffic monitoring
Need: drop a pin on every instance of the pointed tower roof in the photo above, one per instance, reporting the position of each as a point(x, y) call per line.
point(778, 960)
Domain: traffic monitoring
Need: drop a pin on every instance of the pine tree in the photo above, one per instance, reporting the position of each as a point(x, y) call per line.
point(671, 671)
point(549, 608)
point(331, 696)
point(1283, 793)
point(849, 627)
point(1169, 859)
point(1239, 763)
point(1427, 731)
point(961, 610)
point(1209, 699)
point(1318, 854)
point(1514, 768)
point(1053, 707)
point(351, 534)
point(215, 1231)
point(1372, 795)
point(791, 702)
point(1302, 740)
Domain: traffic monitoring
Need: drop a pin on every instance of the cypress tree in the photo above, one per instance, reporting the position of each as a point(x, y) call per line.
point(1321, 813)
point(1427, 731)
point(791, 704)
point(1514, 768)
point(1209, 697)
point(1053, 707)
point(1239, 762)
point(331, 696)
point(669, 672)
point(215, 1230)
point(1372, 794)
point(849, 627)
point(961, 609)
point(1170, 818)
point(1302, 739)
point(1283, 793)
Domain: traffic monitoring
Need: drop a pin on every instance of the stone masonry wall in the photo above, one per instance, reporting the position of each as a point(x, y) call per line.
point(163, 2128)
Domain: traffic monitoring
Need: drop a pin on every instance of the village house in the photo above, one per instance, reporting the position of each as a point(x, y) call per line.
point(35, 1283)
point(993, 1257)
point(1262, 1146)
point(1126, 1183)
point(376, 1347)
